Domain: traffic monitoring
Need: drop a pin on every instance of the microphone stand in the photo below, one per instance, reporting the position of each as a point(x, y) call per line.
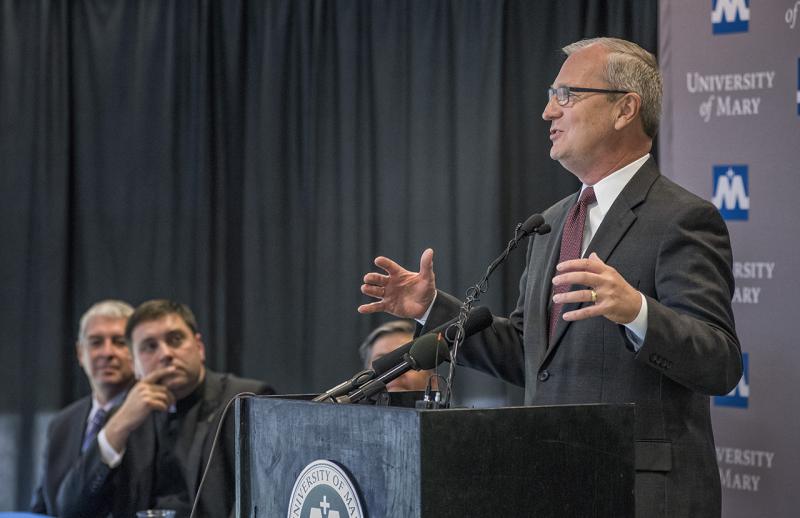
point(521, 231)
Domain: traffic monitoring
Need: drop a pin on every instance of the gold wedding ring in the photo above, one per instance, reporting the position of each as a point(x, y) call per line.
point(594, 296)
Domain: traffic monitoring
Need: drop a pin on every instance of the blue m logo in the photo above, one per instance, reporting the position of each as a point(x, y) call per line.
point(730, 16)
point(731, 191)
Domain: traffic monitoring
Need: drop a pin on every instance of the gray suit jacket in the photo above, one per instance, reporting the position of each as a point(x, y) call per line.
point(674, 248)
point(64, 438)
point(91, 489)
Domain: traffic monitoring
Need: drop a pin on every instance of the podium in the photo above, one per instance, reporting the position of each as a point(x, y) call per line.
point(554, 461)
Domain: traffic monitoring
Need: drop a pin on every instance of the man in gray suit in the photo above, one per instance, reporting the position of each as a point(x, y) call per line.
point(106, 359)
point(628, 299)
point(153, 451)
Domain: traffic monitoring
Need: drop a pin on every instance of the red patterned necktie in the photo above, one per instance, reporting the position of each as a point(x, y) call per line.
point(571, 241)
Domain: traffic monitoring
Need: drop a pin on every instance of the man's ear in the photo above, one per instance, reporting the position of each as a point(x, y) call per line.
point(627, 110)
point(199, 339)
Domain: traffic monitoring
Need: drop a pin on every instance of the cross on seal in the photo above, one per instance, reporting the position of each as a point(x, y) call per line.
point(325, 505)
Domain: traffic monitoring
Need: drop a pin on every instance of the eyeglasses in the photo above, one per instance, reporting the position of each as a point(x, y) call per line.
point(564, 93)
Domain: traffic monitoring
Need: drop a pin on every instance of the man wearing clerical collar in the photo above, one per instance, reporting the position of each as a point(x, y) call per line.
point(153, 450)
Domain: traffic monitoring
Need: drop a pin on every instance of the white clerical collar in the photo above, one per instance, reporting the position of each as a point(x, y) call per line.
point(607, 189)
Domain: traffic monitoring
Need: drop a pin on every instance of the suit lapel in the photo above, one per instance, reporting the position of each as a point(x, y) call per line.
point(615, 225)
point(75, 433)
point(71, 442)
point(621, 215)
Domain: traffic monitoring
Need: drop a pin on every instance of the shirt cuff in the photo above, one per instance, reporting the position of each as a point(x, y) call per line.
point(636, 330)
point(424, 318)
point(109, 455)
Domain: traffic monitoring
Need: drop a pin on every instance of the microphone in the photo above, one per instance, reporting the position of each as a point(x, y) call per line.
point(425, 353)
point(544, 229)
point(534, 224)
point(346, 386)
point(479, 319)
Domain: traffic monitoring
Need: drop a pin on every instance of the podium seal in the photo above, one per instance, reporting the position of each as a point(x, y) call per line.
point(324, 490)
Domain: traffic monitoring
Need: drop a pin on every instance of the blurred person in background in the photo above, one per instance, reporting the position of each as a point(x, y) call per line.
point(385, 339)
point(152, 452)
point(106, 359)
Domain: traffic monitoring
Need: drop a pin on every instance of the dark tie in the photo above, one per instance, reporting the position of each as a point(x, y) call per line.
point(95, 425)
point(571, 241)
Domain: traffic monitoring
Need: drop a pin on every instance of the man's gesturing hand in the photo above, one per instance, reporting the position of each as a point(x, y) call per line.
point(400, 292)
point(616, 300)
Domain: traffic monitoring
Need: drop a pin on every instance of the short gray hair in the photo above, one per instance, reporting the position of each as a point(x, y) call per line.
point(633, 69)
point(407, 327)
point(109, 308)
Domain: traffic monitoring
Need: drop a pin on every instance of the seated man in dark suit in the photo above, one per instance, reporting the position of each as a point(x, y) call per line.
point(106, 359)
point(153, 450)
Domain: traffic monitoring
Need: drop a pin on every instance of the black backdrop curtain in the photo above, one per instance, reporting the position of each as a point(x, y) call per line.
point(250, 158)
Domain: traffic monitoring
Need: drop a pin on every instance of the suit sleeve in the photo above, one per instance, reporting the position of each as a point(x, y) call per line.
point(37, 500)
point(87, 487)
point(691, 336)
point(62, 428)
point(498, 350)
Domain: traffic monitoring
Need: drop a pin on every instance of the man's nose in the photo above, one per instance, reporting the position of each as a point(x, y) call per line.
point(164, 353)
point(107, 348)
point(552, 110)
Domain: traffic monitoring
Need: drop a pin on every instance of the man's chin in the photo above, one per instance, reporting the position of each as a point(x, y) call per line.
point(180, 385)
point(114, 383)
point(175, 383)
point(109, 376)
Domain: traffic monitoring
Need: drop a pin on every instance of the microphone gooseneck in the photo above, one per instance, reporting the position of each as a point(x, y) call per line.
point(533, 225)
point(429, 350)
